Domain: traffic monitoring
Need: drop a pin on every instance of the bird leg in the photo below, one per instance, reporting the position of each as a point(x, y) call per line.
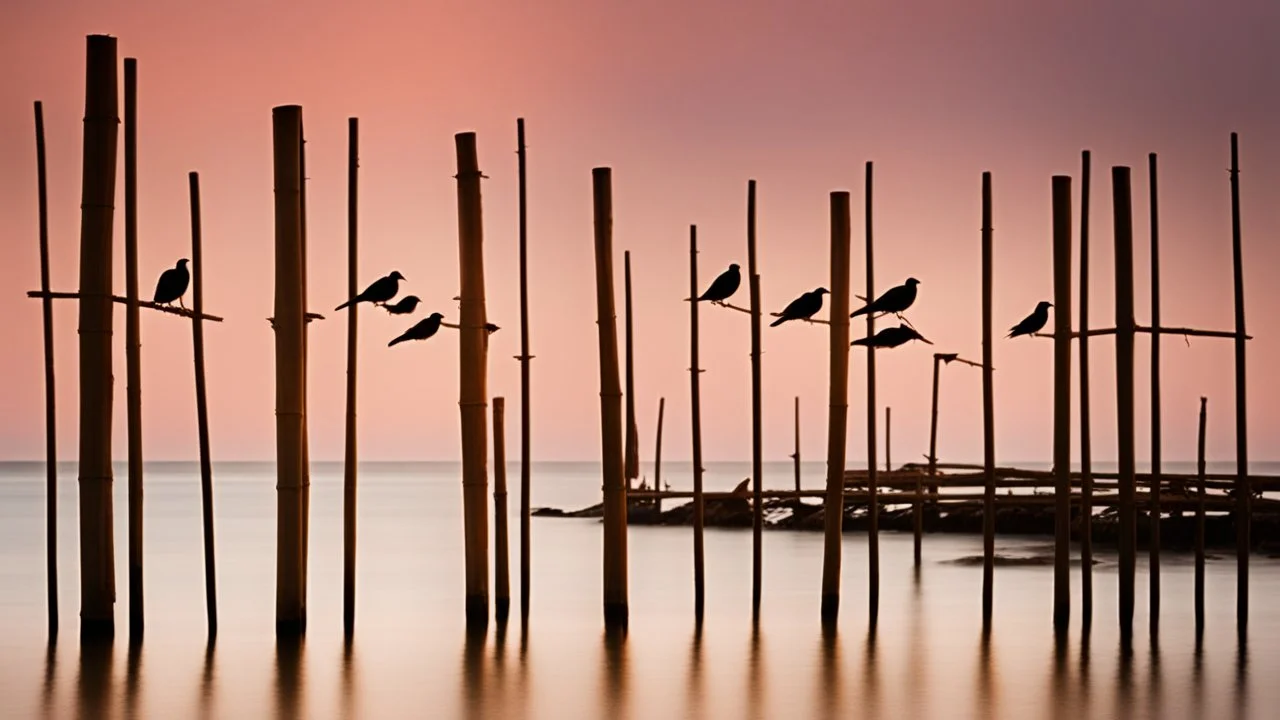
point(181, 304)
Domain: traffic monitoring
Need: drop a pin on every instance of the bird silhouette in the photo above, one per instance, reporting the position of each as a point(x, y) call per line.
point(802, 308)
point(724, 286)
point(172, 284)
point(404, 306)
point(891, 337)
point(424, 329)
point(379, 292)
point(1033, 322)
point(894, 300)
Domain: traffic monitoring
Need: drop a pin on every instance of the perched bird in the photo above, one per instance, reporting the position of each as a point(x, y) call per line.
point(891, 337)
point(421, 331)
point(173, 284)
point(1032, 323)
point(894, 300)
point(404, 306)
point(802, 308)
point(379, 292)
point(724, 286)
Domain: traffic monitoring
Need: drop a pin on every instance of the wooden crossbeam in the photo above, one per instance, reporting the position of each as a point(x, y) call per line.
point(180, 311)
point(1186, 332)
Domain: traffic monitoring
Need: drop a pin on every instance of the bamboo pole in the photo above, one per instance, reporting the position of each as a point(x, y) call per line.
point(1086, 452)
point(1121, 204)
point(615, 499)
point(631, 451)
point(97, 211)
point(838, 418)
point(525, 357)
point(757, 405)
point(501, 574)
point(202, 407)
point(306, 434)
point(796, 455)
point(917, 512)
point(350, 467)
point(288, 324)
point(1062, 400)
point(133, 347)
point(473, 394)
point(1200, 467)
point(1243, 497)
point(657, 458)
point(50, 405)
point(988, 412)
point(873, 509)
point(1153, 604)
point(699, 591)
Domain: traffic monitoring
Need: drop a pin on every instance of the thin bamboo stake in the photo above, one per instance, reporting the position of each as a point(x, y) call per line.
point(917, 512)
point(888, 420)
point(1200, 467)
point(699, 592)
point(873, 509)
point(306, 434)
point(1153, 604)
point(202, 408)
point(757, 405)
point(350, 467)
point(988, 412)
point(796, 455)
point(1086, 453)
point(1244, 513)
point(657, 458)
point(97, 212)
point(133, 346)
point(631, 451)
point(1062, 400)
point(615, 499)
point(50, 406)
point(501, 574)
point(525, 357)
point(473, 394)
point(1122, 207)
point(838, 418)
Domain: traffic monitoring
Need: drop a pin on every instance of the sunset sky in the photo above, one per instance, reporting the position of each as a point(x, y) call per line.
point(685, 101)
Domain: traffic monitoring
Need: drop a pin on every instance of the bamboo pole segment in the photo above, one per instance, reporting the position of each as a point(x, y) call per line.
point(757, 411)
point(657, 457)
point(1243, 496)
point(631, 450)
point(838, 418)
point(888, 420)
point(1122, 207)
point(501, 573)
point(917, 511)
point(1200, 467)
point(699, 574)
point(1062, 400)
point(97, 212)
point(1086, 452)
point(796, 455)
point(988, 412)
point(873, 508)
point(306, 434)
point(525, 357)
point(202, 408)
point(50, 406)
point(1153, 604)
point(473, 393)
point(350, 467)
point(288, 326)
point(133, 346)
point(615, 498)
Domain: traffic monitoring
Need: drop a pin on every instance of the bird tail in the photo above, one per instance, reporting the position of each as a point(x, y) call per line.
point(778, 322)
point(397, 341)
point(345, 304)
point(860, 341)
point(860, 311)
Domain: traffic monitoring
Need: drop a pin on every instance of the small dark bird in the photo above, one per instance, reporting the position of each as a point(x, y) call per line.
point(379, 292)
point(724, 286)
point(894, 300)
point(1032, 323)
point(423, 330)
point(802, 308)
point(173, 284)
point(891, 337)
point(405, 306)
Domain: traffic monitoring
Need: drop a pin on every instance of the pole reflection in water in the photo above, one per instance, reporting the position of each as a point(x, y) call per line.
point(93, 687)
point(132, 676)
point(290, 687)
point(695, 708)
point(829, 693)
point(614, 696)
point(206, 680)
point(988, 680)
point(755, 684)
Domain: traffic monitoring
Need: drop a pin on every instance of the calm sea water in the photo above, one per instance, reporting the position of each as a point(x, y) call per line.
point(411, 657)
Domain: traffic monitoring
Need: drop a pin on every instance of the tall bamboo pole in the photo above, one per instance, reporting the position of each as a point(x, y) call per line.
point(1154, 519)
point(1200, 468)
point(917, 511)
point(1086, 453)
point(202, 407)
point(615, 499)
point(133, 346)
point(796, 455)
point(50, 406)
point(1244, 498)
point(699, 592)
point(873, 504)
point(525, 358)
point(631, 450)
point(289, 310)
point(757, 405)
point(1062, 400)
point(473, 394)
point(306, 434)
point(501, 574)
point(1122, 207)
point(988, 413)
point(97, 212)
point(657, 458)
point(350, 469)
point(838, 418)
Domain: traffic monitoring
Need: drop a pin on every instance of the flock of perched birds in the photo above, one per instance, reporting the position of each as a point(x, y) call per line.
point(173, 285)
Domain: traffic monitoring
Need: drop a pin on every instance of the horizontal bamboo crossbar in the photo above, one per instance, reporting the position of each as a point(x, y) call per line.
point(973, 498)
point(180, 311)
point(1185, 332)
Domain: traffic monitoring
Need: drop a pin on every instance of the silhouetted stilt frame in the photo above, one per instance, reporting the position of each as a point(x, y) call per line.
point(1061, 189)
point(1244, 497)
point(873, 504)
point(501, 572)
point(1153, 565)
point(838, 418)
point(699, 575)
point(133, 349)
point(1086, 450)
point(757, 403)
point(1123, 222)
point(526, 467)
point(351, 457)
point(988, 413)
point(50, 404)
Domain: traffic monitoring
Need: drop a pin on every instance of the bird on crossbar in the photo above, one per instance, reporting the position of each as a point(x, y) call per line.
point(173, 284)
point(379, 292)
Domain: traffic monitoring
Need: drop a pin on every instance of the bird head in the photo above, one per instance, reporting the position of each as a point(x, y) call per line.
point(733, 267)
point(395, 275)
point(410, 300)
point(912, 282)
point(1043, 306)
point(436, 316)
point(182, 263)
point(822, 291)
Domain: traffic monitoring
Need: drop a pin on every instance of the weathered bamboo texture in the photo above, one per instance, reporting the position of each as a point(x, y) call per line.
point(615, 499)
point(350, 471)
point(133, 347)
point(525, 358)
point(501, 571)
point(873, 510)
point(97, 212)
point(757, 410)
point(695, 405)
point(1123, 210)
point(473, 394)
point(1200, 468)
point(288, 325)
point(1086, 447)
point(1062, 400)
point(631, 451)
point(988, 413)
point(838, 418)
point(202, 408)
point(1244, 498)
point(657, 456)
point(795, 456)
point(1153, 565)
point(50, 404)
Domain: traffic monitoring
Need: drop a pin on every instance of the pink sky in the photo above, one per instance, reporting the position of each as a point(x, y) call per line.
point(685, 101)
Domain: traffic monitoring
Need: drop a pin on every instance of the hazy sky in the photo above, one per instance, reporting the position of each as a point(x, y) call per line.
point(685, 101)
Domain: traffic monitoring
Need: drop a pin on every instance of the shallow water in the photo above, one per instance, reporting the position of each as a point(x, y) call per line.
point(411, 657)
